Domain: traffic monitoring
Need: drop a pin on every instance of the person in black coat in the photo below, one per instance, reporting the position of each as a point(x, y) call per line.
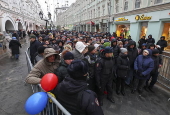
point(15, 34)
point(14, 46)
point(150, 40)
point(34, 44)
point(141, 41)
point(105, 69)
point(73, 94)
point(116, 49)
point(162, 42)
point(132, 54)
point(122, 70)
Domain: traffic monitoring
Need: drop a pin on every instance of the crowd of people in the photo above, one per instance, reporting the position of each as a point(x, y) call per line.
point(88, 64)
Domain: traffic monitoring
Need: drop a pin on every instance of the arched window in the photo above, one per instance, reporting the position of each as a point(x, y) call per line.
point(137, 3)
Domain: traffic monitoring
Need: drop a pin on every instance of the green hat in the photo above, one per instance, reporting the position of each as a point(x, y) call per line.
point(106, 44)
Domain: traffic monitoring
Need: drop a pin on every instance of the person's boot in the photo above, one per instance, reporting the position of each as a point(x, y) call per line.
point(146, 88)
point(123, 92)
point(117, 92)
point(151, 90)
point(133, 91)
point(111, 99)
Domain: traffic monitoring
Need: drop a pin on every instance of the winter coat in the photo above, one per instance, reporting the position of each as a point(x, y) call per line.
point(34, 47)
point(41, 68)
point(157, 61)
point(143, 66)
point(74, 96)
point(14, 46)
point(132, 53)
point(15, 35)
point(162, 43)
point(105, 67)
point(116, 49)
point(61, 71)
point(122, 66)
point(91, 60)
point(77, 54)
point(150, 40)
point(141, 41)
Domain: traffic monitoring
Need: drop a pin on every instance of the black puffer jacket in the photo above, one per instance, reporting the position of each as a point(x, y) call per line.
point(122, 66)
point(34, 47)
point(14, 46)
point(132, 53)
point(116, 49)
point(162, 43)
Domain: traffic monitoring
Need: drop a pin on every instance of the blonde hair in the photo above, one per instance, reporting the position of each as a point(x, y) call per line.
point(68, 47)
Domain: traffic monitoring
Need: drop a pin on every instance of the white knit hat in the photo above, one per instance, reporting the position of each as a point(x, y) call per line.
point(80, 46)
point(96, 46)
point(123, 50)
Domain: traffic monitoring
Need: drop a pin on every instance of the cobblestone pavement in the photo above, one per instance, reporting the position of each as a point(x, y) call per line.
point(14, 93)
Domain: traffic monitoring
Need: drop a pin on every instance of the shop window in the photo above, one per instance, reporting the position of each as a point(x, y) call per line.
point(137, 3)
point(144, 28)
point(158, 1)
point(166, 33)
point(123, 30)
point(125, 5)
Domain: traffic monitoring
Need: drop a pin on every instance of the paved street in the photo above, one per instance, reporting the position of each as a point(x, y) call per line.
point(13, 91)
point(14, 94)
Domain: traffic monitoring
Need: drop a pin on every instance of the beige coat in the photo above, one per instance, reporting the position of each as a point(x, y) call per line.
point(41, 68)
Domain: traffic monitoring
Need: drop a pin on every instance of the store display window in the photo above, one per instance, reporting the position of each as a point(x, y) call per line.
point(123, 30)
point(144, 28)
point(166, 33)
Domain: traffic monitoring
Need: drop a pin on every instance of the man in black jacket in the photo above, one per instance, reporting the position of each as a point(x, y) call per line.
point(105, 69)
point(162, 42)
point(132, 54)
point(141, 41)
point(73, 93)
point(150, 40)
point(116, 49)
point(34, 44)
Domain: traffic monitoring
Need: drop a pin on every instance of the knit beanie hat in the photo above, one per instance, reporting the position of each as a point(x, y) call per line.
point(77, 69)
point(80, 46)
point(68, 56)
point(90, 48)
point(108, 49)
point(33, 36)
point(146, 51)
point(123, 50)
point(106, 44)
point(155, 51)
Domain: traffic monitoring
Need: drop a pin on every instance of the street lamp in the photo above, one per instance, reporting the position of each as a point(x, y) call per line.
point(41, 16)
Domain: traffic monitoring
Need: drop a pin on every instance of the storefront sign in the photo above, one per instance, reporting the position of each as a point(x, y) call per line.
point(143, 17)
point(122, 19)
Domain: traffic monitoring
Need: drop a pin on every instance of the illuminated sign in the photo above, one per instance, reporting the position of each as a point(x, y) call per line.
point(122, 19)
point(143, 17)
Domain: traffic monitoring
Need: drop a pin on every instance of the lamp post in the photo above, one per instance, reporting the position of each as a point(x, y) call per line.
point(41, 16)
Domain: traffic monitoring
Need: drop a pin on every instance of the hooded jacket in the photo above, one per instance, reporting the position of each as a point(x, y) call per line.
point(144, 65)
point(116, 49)
point(42, 67)
point(75, 97)
point(132, 53)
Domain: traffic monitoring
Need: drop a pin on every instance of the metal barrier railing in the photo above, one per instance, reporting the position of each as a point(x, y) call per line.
point(164, 72)
point(52, 108)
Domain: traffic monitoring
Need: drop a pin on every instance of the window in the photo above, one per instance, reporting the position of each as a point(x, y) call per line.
point(137, 3)
point(126, 5)
point(158, 1)
point(117, 6)
point(103, 10)
point(98, 11)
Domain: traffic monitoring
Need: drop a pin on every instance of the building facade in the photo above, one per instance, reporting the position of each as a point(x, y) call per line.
point(125, 17)
point(19, 15)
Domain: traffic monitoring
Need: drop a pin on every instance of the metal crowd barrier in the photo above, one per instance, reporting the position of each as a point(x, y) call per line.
point(164, 71)
point(53, 107)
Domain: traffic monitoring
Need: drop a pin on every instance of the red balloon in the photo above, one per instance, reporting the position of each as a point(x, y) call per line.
point(49, 81)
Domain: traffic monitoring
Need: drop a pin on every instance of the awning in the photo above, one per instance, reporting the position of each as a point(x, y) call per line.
point(92, 23)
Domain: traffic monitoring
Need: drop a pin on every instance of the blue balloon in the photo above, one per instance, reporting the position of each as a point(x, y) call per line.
point(36, 103)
